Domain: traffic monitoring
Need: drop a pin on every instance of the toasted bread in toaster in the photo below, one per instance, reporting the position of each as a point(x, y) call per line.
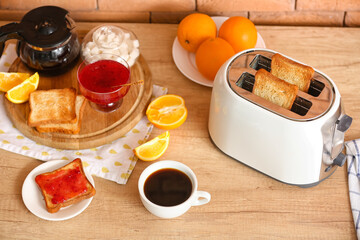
point(52, 106)
point(68, 128)
point(274, 89)
point(292, 72)
point(65, 186)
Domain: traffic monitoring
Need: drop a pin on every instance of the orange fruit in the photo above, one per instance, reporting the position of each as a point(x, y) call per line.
point(194, 29)
point(167, 112)
point(240, 32)
point(211, 55)
point(10, 80)
point(21, 92)
point(154, 148)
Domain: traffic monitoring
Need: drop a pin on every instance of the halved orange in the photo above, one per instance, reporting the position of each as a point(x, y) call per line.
point(167, 112)
point(154, 148)
point(8, 80)
point(21, 92)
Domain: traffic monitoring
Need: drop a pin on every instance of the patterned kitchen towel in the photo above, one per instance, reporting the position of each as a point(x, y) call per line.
point(353, 167)
point(114, 161)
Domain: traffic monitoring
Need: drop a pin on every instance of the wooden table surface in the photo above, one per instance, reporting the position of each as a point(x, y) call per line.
point(245, 204)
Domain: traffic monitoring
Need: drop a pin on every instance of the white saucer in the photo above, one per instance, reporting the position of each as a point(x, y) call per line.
point(185, 61)
point(34, 200)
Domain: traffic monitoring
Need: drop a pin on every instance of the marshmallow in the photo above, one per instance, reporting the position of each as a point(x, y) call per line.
point(111, 39)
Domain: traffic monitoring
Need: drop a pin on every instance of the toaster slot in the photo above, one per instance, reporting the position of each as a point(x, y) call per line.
point(315, 88)
point(263, 62)
point(246, 81)
point(300, 106)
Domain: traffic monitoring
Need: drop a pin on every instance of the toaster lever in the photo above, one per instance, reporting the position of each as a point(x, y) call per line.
point(344, 123)
point(340, 160)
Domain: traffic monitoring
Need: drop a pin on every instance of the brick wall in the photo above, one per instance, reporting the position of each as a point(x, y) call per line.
point(339, 13)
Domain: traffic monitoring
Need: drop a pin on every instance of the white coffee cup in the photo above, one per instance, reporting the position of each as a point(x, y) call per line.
point(196, 197)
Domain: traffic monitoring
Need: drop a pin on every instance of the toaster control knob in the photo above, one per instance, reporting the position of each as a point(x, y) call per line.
point(344, 123)
point(340, 160)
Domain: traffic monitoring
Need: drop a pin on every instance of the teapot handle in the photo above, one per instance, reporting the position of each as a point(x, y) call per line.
point(9, 31)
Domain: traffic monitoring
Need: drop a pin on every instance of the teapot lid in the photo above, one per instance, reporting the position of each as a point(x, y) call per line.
point(46, 26)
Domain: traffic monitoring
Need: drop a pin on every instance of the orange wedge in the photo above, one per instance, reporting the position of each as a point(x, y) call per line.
point(167, 112)
point(21, 92)
point(154, 148)
point(10, 80)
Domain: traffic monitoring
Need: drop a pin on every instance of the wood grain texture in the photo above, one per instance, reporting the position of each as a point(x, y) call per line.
point(298, 18)
point(97, 128)
point(245, 204)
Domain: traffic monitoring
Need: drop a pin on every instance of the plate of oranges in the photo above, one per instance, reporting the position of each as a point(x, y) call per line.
point(203, 44)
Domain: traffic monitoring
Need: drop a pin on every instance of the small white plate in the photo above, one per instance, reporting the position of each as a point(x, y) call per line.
point(185, 61)
point(34, 200)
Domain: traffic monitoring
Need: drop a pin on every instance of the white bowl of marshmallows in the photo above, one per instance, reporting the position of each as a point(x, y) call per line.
point(111, 39)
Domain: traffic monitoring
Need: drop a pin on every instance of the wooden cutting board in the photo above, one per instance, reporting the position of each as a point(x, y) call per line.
point(97, 128)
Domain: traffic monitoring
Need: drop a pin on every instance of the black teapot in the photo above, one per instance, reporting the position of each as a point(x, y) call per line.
point(47, 38)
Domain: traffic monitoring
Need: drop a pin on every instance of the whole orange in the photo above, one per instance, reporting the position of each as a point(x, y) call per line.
point(211, 55)
point(194, 29)
point(240, 32)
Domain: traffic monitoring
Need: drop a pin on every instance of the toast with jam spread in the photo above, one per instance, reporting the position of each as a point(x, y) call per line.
point(65, 186)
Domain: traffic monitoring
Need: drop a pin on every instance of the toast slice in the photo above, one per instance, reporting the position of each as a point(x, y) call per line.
point(68, 128)
point(52, 106)
point(65, 186)
point(292, 72)
point(274, 89)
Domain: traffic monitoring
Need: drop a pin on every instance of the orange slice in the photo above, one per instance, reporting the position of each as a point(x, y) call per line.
point(154, 148)
point(21, 92)
point(10, 80)
point(167, 112)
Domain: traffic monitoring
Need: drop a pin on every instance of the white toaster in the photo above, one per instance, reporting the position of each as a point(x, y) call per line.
point(301, 146)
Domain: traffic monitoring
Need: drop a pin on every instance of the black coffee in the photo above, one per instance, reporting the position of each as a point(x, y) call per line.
point(168, 187)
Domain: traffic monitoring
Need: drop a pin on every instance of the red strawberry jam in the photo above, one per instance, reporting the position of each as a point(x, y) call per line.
point(63, 185)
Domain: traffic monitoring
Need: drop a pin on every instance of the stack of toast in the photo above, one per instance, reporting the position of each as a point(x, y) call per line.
point(65, 186)
point(56, 110)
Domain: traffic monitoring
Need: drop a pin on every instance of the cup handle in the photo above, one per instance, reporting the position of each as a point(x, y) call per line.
point(201, 198)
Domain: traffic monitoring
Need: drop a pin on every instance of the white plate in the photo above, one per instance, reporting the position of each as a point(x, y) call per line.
point(185, 61)
point(34, 200)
